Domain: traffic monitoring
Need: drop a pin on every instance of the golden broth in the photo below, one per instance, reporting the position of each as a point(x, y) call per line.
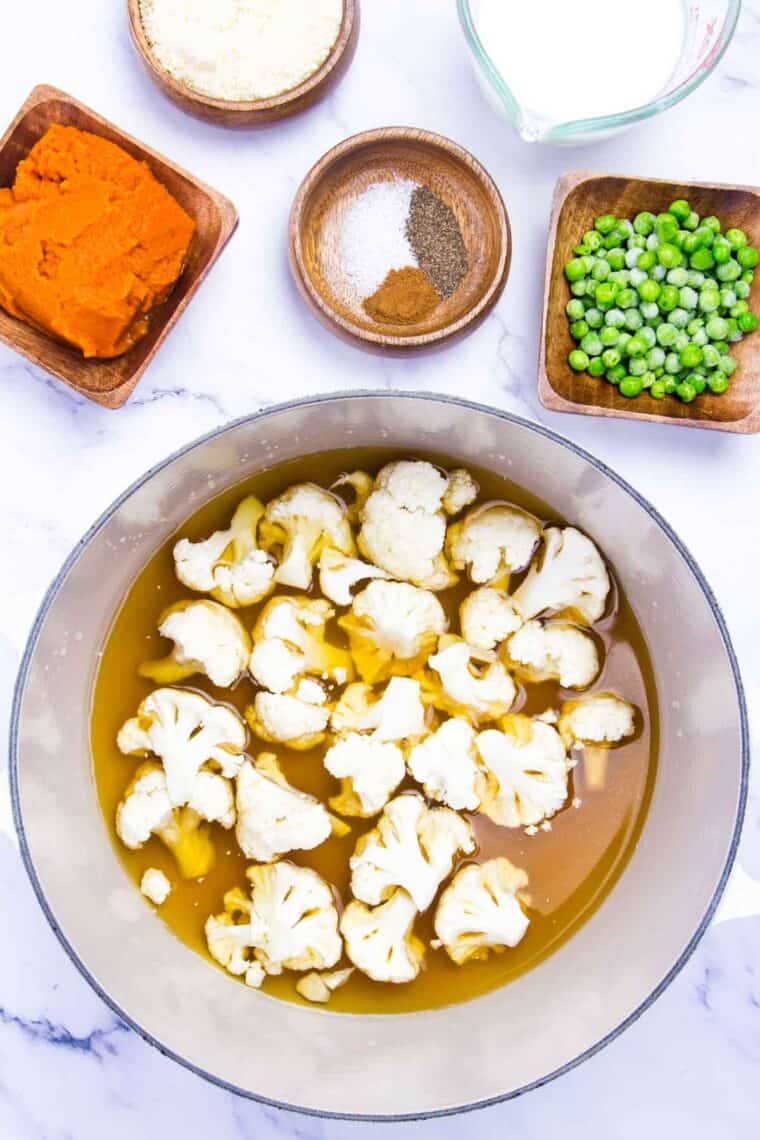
point(570, 867)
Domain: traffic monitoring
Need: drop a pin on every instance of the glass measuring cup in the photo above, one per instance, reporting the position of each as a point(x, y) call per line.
point(710, 25)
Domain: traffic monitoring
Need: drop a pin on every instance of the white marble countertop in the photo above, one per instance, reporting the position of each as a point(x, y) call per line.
point(68, 1068)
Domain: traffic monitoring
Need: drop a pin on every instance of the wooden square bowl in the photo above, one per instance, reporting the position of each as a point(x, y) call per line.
point(578, 199)
point(110, 382)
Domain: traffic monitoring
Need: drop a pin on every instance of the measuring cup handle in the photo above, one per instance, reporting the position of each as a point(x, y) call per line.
point(741, 898)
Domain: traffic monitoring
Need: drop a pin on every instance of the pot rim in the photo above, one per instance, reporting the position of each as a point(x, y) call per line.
point(271, 410)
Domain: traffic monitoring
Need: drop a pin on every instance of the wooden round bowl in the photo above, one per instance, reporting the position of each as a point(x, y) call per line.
point(450, 172)
point(253, 112)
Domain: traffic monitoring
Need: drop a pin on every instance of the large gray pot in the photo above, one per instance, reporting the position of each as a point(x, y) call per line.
point(422, 1063)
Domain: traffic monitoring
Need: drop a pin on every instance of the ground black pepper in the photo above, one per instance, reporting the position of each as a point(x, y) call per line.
point(434, 234)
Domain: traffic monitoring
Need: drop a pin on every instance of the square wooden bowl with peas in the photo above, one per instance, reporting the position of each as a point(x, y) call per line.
point(650, 302)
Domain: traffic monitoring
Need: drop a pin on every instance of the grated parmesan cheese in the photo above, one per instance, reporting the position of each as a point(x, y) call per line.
point(241, 49)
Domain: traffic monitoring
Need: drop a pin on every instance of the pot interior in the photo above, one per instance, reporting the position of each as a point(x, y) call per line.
point(384, 1066)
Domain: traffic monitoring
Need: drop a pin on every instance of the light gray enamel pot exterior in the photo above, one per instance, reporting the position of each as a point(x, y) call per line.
point(425, 1063)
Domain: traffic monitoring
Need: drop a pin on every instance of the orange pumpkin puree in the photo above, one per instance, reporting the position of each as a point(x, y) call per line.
point(90, 242)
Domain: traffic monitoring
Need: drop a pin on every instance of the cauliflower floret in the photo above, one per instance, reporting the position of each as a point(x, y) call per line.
point(480, 911)
point(603, 718)
point(471, 683)
point(487, 616)
point(229, 565)
point(398, 715)
point(298, 719)
point(187, 732)
point(208, 638)
point(290, 923)
point(381, 942)
point(527, 767)
point(460, 492)
point(492, 541)
point(556, 651)
point(446, 764)
point(393, 627)
point(338, 574)
point(146, 809)
point(155, 886)
point(361, 483)
point(289, 641)
point(412, 846)
point(570, 575)
point(301, 523)
point(320, 987)
point(369, 771)
point(273, 817)
point(404, 524)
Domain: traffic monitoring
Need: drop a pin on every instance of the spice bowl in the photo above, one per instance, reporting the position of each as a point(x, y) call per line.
point(252, 112)
point(579, 198)
point(459, 226)
point(109, 382)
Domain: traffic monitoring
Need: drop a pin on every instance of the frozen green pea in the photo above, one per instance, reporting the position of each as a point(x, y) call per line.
point(615, 318)
point(644, 223)
point(575, 309)
point(731, 271)
point(648, 336)
point(702, 260)
point(616, 259)
point(721, 251)
point(659, 273)
point(637, 345)
point(666, 334)
point(727, 365)
point(710, 356)
point(605, 223)
point(657, 390)
point(742, 290)
point(623, 340)
point(575, 269)
point(717, 383)
point(673, 363)
point(738, 308)
point(591, 344)
point(625, 227)
point(736, 238)
point(747, 256)
point(678, 277)
point(633, 320)
point(627, 299)
point(608, 336)
point(691, 356)
point(694, 324)
point(692, 221)
point(637, 241)
point(697, 381)
point(650, 310)
point(691, 243)
point(747, 322)
point(647, 261)
point(679, 317)
point(728, 297)
point(666, 227)
point(638, 277)
point(595, 367)
point(578, 288)
point(669, 255)
point(695, 279)
point(700, 338)
point(686, 392)
point(712, 223)
point(709, 300)
point(616, 374)
point(682, 339)
point(656, 357)
point(578, 360)
point(748, 276)
point(632, 257)
point(648, 379)
point(637, 366)
point(610, 357)
point(601, 270)
point(668, 299)
point(594, 318)
point(649, 290)
point(579, 329)
point(592, 239)
point(688, 298)
point(680, 209)
point(670, 385)
point(631, 387)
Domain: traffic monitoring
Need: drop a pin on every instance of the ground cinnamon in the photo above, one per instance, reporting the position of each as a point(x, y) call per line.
point(404, 298)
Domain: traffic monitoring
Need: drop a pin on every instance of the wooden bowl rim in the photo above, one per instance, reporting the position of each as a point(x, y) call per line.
point(433, 142)
point(548, 395)
point(249, 108)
